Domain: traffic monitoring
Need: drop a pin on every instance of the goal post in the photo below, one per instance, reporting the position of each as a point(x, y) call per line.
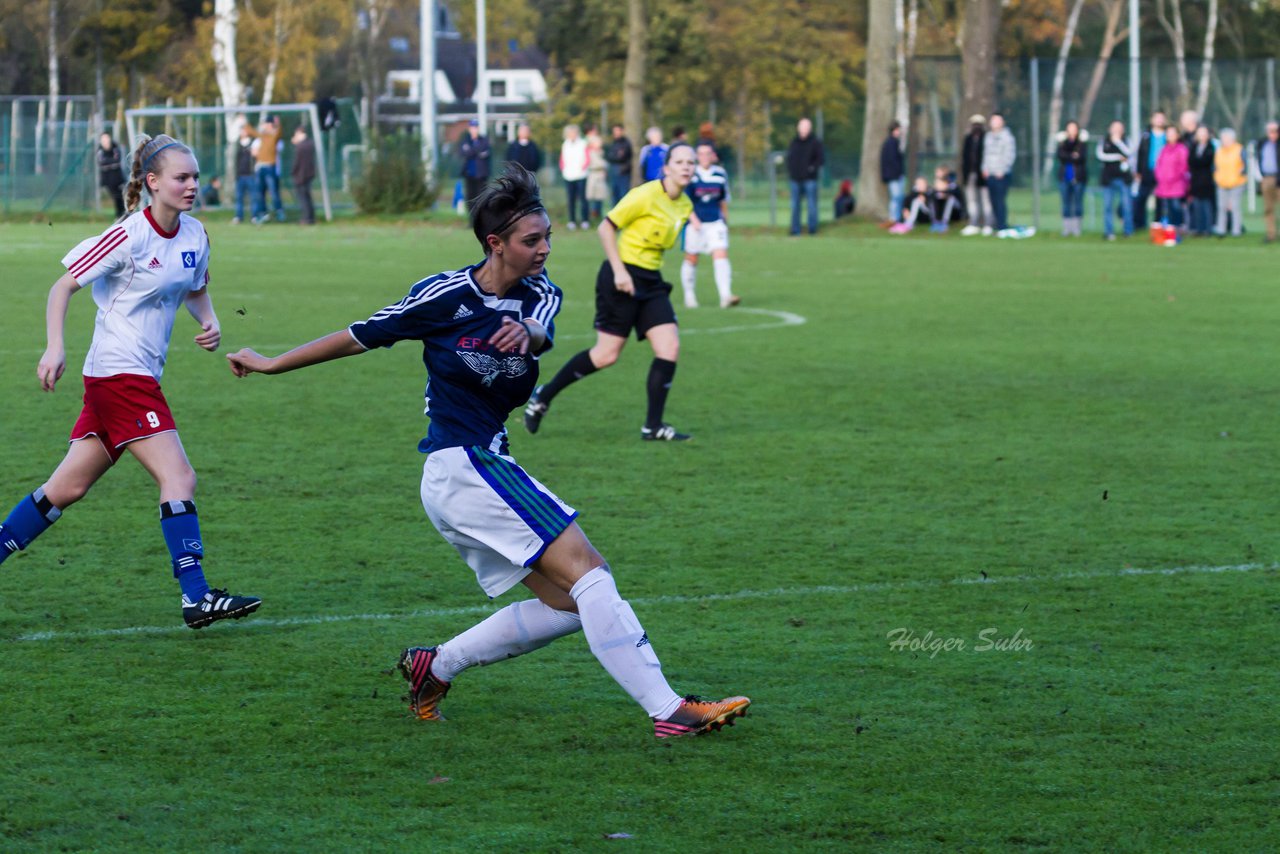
point(308, 110)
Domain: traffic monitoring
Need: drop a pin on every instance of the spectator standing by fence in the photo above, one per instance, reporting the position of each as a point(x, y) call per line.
point(804, 162)
point(893, 170)
point(524, 150)
point(1114, 154)
point(476, 153)
point(1230, 178)
point(267, 169)
point(110, 173)
point(1073, 177)
point(999, 152)
point(573, 168)
point(303, 173)
point(1267, 161)
point(1200, 153)
point(1172, 177)
point(619, 154)
point(977, 199)
point(1153, 140)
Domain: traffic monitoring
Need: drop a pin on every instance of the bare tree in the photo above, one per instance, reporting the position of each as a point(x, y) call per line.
point(1206, 63)
point(1178, 37)
point(873, 198)
point(227, 73)
point(1112, 35)
point(633, 76)
point(1059, 79)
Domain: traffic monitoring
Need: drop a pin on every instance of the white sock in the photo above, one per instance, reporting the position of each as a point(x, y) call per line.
point(518, 628)
point(724, 279)
point(620, 643)
point(689, 279)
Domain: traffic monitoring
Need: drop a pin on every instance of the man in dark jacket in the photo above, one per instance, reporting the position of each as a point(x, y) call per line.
point(893, 170)
point(618, 155)
point(246, 172)
point(524, 150)
point(804, 162)
point(110, 173)
point(976, 196)
point(303, 173)
point(474, 149)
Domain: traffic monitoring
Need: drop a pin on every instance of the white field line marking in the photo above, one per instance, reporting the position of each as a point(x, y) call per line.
point(677, 599)
point(780, 319)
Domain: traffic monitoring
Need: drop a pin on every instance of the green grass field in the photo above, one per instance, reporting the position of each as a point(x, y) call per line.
point(1067, 443)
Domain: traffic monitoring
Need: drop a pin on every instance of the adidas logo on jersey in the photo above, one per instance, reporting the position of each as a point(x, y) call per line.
point(462, 312)
point(155, 263)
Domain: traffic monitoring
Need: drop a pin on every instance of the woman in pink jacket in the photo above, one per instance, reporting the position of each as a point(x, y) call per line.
point(1173, 176)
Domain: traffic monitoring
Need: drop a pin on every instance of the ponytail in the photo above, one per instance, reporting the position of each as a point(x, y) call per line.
point(143, 160)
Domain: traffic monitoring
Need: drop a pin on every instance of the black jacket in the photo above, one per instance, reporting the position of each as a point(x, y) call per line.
point(304, 162)
point(1115, 161)
point(618, 154)
point(971, 158)
point(892, 164)
point(1200, 165)
point(246, 163)
point(804, 158)
point(527, 155)
point(109, 172)
point(1074, 154)
point(1144, 168)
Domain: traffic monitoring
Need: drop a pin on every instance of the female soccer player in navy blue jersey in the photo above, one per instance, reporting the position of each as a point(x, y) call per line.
point(482, 329)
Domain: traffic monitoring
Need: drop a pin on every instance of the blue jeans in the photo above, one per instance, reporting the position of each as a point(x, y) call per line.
point(1201, 216)
point(1172, 211)
point(897, 192)
point(246, 190)
point(268, 182)
point(808, 189)
point(577, 192)
point(1072, 199)
point(1117, 192)
point(999, 190)
point(619, 183)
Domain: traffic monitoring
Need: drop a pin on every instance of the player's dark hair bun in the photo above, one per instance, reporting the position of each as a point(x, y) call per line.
point(504, 201)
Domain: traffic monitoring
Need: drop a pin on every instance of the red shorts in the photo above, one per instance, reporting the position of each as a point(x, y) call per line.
point(122, 409)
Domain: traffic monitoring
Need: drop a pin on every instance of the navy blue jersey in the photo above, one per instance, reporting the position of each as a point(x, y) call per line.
point(471, 387)
point(708, 189)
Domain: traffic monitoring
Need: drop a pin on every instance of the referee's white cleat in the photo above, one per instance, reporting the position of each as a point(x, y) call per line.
point(696, 716)
point(661, 433)
point(217, 605)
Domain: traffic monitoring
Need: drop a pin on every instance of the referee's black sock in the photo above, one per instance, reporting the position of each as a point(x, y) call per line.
point(574, 369)
point(661, 373)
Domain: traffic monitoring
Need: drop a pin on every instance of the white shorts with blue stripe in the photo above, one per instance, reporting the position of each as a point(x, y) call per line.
point(499, 518)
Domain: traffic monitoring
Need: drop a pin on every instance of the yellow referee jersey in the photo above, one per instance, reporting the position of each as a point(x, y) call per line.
point(649, 221)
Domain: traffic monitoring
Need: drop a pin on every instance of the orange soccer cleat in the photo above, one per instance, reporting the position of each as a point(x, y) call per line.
point(696, 716)
point(425, 690)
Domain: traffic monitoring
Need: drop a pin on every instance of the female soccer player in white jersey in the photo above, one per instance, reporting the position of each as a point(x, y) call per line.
point(708, 230)
point(631, 293)
point(482, 329)
point(141, 269)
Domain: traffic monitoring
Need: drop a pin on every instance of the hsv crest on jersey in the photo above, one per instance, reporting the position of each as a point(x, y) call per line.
point(189, 260)
point(493, 367)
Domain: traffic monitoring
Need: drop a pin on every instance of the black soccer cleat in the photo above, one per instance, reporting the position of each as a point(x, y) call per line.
point(217, 605)
point(663, 433)
point(534, 411)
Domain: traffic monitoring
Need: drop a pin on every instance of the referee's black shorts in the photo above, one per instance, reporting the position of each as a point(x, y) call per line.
point(618, 313)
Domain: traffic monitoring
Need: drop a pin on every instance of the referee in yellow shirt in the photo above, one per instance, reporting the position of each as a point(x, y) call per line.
point(631, 294)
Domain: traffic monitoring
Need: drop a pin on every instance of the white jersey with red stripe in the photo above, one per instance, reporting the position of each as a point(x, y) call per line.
point(140, 276)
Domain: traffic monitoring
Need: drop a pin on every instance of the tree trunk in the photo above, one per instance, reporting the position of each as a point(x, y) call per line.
point(633, 79)
point(1178, 36)
point(902, 99)
point(1206, 63)
point(873, 198)
point(273, 61)
point(227, 75)
point(1110, 38)
point(1059, 79)
point(979, 29)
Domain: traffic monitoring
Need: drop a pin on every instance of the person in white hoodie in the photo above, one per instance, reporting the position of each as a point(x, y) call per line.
point(573, 167)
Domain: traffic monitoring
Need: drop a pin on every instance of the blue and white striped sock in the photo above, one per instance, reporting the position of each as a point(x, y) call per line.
point(181, 528)
point(30, 518)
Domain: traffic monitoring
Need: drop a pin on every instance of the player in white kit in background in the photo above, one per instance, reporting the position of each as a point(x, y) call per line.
point(708, 230)
point(141, 270)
